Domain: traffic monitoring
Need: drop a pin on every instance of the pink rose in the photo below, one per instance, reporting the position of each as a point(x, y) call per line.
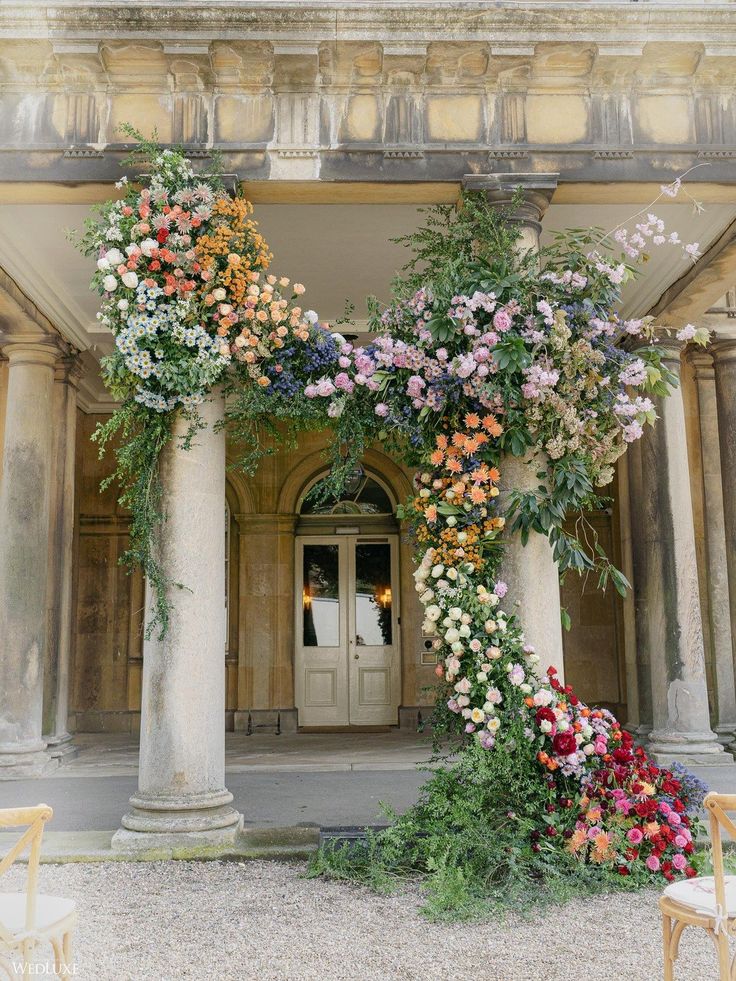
point(679, 861)
point(501, 321)
point(652, 863)
point(635, 836)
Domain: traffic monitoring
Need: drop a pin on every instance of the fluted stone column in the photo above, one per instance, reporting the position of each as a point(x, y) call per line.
point(666, 571)
point(181, 799)
point(56, 677)
point(638, 668)
point(717, 577)
point(529, 570)
point(25, 508)
point(723, 351)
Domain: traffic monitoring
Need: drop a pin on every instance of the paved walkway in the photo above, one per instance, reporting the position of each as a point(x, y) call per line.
point(287, 787)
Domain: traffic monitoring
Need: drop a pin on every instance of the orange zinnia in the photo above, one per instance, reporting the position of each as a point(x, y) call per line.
point(472, 420)
point(442, 442)
point(437, 457)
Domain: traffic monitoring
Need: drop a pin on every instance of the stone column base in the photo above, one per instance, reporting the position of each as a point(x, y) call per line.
point(157, 821)
point(172, 844)
point(19, 763)
point(692, 748)
point(62, 748)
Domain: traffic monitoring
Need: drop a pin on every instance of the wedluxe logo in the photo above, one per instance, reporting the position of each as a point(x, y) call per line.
point(45, 970)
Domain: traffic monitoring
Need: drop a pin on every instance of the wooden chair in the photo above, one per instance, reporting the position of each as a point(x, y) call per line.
point(28, 919)
point(706, 901)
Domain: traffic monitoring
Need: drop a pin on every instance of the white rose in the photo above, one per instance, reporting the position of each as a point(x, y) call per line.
point(225, 309)
point(481, 676)
point(457, 647)
point(425, 492)
point(130, 249)
point(452, 636)
point(465, 630)
point(466, 618)
point(429, 627)
point(494, 724)
point(433, 613)
point(114, 257)
point(148, 245)
point(103, 264)
point(427, 596)
point(421, 573)
point(493, 653)
point(451, 521)
point(490, 626)
point(545, 725)
point(219, 294)
point(455, 613)
point(130, 279)
point(525, 688)
point(462, 536)
point(477, 716)
point(452, 574)
point(588, 750)
point(437, 571)
point(109, 284)
point(122, 304)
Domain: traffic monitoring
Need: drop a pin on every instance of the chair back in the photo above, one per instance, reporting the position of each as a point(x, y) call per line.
point(717, 805)
point(33, 819)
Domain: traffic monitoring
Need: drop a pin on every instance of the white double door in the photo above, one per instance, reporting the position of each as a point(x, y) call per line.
point(347, 669)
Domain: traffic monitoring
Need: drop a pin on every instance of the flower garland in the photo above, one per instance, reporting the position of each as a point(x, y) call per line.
point(482, 355)
point(182, 275)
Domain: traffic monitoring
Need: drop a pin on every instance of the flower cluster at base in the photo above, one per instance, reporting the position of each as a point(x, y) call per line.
point(607, 804)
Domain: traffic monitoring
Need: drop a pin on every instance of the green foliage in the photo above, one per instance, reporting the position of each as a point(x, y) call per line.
point(139, 435)
point(469, 841)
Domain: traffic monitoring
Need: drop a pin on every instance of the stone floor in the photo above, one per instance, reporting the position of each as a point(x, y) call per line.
point(283, 785)
point(264, 922)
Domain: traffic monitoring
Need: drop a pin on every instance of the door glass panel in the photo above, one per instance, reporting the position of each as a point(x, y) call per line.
point(373, 617)
point(320, 596)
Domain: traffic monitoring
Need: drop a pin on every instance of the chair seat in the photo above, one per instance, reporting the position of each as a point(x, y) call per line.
point(699, 894)
point(50, 911)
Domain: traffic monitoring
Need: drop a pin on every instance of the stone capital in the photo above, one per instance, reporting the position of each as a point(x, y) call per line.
point(536, 192)
point(702, 363)
point(33, 349)
point(723, 350)
point(69, 371)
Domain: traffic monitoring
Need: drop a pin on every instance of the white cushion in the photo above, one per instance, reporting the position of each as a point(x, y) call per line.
point(49, 911)
point(699, 894)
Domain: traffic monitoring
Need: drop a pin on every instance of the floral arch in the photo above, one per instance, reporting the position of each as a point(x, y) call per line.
point(485, 356)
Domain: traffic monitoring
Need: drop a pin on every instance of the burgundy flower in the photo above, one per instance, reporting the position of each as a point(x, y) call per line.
point(564, 743)
point(544, 714)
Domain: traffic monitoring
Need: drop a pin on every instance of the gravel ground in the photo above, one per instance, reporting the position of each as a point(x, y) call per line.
point(261, 921)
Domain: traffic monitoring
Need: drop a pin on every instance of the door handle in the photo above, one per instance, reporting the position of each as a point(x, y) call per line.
point(356, 656)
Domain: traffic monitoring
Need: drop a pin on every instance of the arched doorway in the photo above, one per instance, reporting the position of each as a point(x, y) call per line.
point(347, 650)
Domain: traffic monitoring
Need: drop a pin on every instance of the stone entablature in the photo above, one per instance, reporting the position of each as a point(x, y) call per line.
point(316, 91)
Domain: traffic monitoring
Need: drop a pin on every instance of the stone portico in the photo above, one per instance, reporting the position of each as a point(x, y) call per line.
point(340, 137)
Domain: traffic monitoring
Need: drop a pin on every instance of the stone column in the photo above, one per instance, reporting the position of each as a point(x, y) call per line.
point(638, 661)
point(56, 677)
point(25, 509)
point(667, 572)
point(716, 571)
point(181, 800)
point(529, 570)
point(723, 351)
